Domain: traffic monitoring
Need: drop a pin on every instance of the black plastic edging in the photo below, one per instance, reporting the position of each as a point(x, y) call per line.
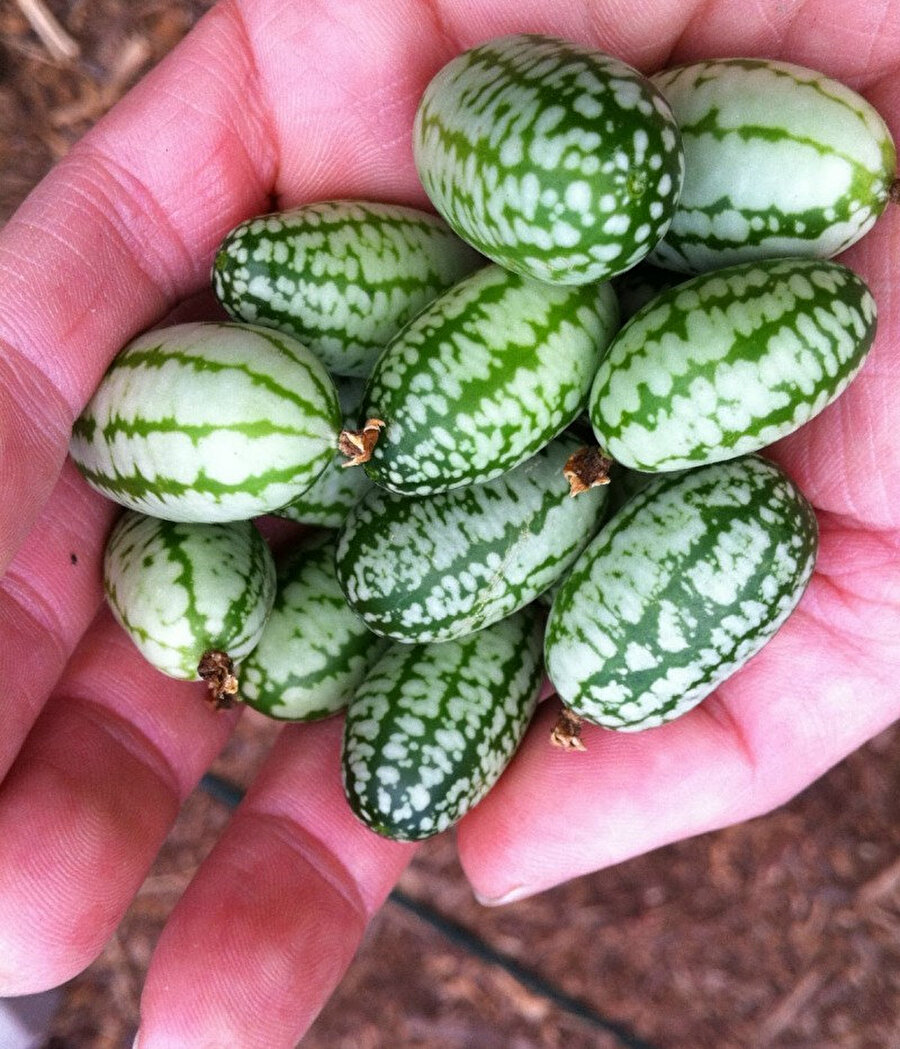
point(532, 981)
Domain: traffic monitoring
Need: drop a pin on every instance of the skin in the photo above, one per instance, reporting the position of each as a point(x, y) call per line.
point(271, 103)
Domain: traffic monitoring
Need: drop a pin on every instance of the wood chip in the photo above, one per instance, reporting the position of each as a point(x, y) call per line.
point(59, 44)
point(566, 732)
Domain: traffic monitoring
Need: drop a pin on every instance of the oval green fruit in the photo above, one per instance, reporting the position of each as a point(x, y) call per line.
point(432, 726)
point(184, 590)
point(779, 161)
point(314, 650)
point(342, 276)
point(438, 567)
point(553, 159)
point(678, 590)
point(208, 422)
point(483, 377)
point(730, 362)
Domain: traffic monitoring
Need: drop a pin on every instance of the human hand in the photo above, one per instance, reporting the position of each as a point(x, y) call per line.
point(277, 104)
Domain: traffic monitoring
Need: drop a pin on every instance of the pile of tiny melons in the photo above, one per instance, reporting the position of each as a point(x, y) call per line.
point(485, 427)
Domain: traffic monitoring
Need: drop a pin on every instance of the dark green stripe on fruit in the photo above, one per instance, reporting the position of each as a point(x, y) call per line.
point(431, 568)
point(679, 589)
point(432, 726)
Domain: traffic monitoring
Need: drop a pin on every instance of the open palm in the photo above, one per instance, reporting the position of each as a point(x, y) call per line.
point(269, 103)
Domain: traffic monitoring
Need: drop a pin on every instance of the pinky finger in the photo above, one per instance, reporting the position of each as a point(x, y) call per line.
point(89, 801)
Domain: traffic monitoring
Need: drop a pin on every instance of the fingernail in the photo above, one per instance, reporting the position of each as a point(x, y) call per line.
point(517, 892)
point(136, 1043)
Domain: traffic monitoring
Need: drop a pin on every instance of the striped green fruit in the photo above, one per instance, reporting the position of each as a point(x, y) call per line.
point(551, 158)
point(342, 276)
point(779, 161)
point(432, 726)
point(730, 362)
point(185, 591)
point(328, 500)
point(485, 376)
point(435, 568)
point(314, 650)
point(208, 422)
point(682, 586)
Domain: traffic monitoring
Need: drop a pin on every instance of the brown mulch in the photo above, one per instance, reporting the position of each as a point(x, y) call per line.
point(782, 933)
point(52, 92)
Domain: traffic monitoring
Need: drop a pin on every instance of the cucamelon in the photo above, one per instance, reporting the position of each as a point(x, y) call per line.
point(208, 422)
point(342, 276)
point(482, 378)
point(314, 650)
point(730, 362)
point(194, 598)
point(432, 726)
point(780, 160)
point(552, 159)
point(678, 590)
point(438, 567)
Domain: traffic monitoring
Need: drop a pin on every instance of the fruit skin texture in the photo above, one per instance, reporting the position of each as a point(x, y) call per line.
point(208, 422)
point(438, 567)
point(342, 276)
point(779, 161)
point(314, 650)
point(730, 362)
point(553, 159)
point(329, 498)
point(181, 589)
point(677, 591)
point(432, 726)
point(486, 375)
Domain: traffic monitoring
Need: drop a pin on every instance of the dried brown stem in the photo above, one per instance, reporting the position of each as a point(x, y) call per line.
point(566, 732)
point(217, 670)
point(586, 468)
point(357, 445)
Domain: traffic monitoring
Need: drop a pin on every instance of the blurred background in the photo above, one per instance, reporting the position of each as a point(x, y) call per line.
point(782, 933)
